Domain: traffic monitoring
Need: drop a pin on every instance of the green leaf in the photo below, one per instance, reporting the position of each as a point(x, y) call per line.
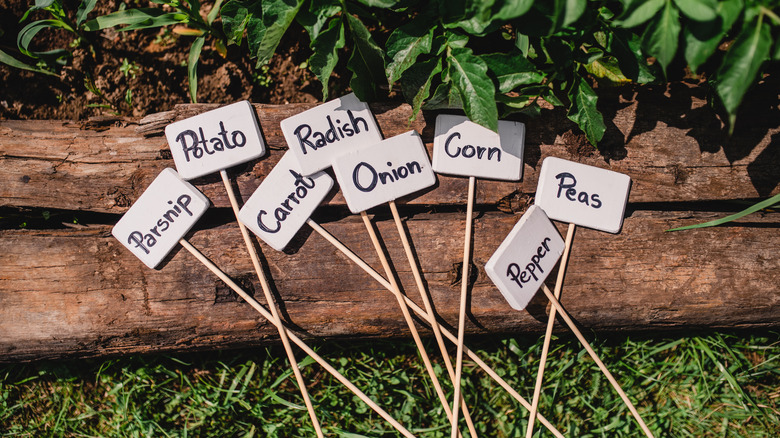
point(511, 71)
point(583, 111)
point(741, 65)
point(627, 48)
point(192, 66)
point(405, 44)
point(702, 39)
point(130, 17)
point(317, 15)
point(574, 10)
point(661, 36)
point(325, 53)
point(469, 77)
point(277, 15)
point(416, 83)
point(367, 62)
point(382, 4)
point(13, 62)
point(752, 209)
point(639, 11)
point(698, 10)
point(214, 12)
point(26, 35)
point(445, 97)
point(607, 68)
point(235, 16)
point(85, 7)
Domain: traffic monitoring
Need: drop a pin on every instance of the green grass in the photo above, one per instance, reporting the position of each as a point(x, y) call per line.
point(717, 385)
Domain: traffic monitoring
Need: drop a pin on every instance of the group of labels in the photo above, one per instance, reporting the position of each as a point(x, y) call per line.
point(370, 170)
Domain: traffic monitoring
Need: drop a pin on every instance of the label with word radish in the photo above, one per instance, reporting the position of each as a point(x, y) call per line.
point(525, 258)
point(583, 195)
point(283, 202)
point(384, 172)
point(318, 135)
point(462, 147)
point(162, 215)
point(215, 140)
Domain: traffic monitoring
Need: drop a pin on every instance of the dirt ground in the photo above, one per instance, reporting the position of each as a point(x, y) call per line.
point(140, 72)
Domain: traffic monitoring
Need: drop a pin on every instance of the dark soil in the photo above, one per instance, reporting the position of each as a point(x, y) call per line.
point(141, 72)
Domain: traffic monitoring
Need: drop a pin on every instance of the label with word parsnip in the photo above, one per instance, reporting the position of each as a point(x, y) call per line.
point(283, 202)
point(162, 215)
point(525, 258)
point(583, 195)
point(462, 147)
point(384, 172)
point(215, 140)
point(318, 135)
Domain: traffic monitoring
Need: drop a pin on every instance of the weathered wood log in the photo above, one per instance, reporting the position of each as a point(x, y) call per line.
point(72, 166)
point(78, 293)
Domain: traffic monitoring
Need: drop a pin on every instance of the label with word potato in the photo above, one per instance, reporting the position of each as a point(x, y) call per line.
point(525, 258)
point(462, 147)
point(318, 135)
point(215, 140)
point(283, 202)
point(162, 215)
point(583, 195)
point(384, 172)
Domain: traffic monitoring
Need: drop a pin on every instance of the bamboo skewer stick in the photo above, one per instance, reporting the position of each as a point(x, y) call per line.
point(432, 322)
point(308, 350)
point(548, 333)
point(596, 359)
point(464, 286)
point(272, 305)
point(405, 311)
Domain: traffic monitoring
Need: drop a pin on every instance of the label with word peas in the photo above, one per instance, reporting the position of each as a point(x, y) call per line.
point(384, 172)
point(215, 140)
point(318, 135)
point(162, 215)
point(462, 147)
point(583, 195)
point(284, 201)
point(525, 258)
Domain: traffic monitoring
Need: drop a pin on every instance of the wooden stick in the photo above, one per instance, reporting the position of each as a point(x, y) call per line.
point(432, 322)
point(548, 333)
point(596, 359)
point(308, 350)
point(428, 308)
point(464, 286)
point(405, 311)
point(250, 247)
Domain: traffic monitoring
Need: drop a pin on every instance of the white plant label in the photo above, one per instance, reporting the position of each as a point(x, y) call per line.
point(320, 134)
point(583, 195)
point(462, 147)
point(384, 171)
point(283, 202)
point(215, 140)
point(525, 258)
point(162, 215)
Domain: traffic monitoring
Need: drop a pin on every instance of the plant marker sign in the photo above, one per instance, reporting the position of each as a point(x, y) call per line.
point(462, 147)
point(284, 201)
point(384, 171)
point(320, 134)
point(525, 258)
point(583, 195)
point(161, 216)
point(215, 140)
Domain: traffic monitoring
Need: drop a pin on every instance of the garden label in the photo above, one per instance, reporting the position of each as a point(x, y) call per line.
point(215, 140)
point(384, 172)
point(583, 195)
point(462, 147)
point(162, 215)
point(283, 202)
point(525, 258)
point(320, 134)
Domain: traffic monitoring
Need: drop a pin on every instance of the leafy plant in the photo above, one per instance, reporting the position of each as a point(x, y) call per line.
point(186, 21)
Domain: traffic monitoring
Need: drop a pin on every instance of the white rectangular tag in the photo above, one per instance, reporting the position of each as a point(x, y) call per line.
point(318, 135)
point(162, 215)
point(525, 258)
point(462, 147)
point(215, 140)
point(283, 202)
point(583, 195)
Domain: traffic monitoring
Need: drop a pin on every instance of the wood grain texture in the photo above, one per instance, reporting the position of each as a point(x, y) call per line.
point(671, 155)
point(78, 293)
